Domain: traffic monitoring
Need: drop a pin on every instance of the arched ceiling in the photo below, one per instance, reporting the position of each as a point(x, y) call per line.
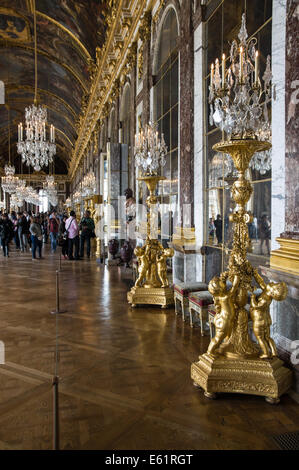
point(68, 33)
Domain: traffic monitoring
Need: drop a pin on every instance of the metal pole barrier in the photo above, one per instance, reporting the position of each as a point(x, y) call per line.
point(54, 312)
point(55, 414)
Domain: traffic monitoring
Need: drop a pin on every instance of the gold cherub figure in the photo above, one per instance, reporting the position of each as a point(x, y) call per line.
point(260, 315)
point(224, 300)
point(143, 264)
point(162, 266)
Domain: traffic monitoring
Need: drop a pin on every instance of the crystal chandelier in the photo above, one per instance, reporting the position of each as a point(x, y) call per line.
point(31, 196)
point(150, 150)
point(50, 189)
point(35, 150)
point(89, 184)
point(9, 182)
point(68, 203)
point(16, 201)
point(238, 100)
point(77, 197)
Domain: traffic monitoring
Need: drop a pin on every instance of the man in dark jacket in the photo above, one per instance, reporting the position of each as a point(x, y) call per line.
point(6, 233)
point(87, 228)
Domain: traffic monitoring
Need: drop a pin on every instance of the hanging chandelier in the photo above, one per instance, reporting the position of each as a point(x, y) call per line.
point(150, 150)
point(68, 203)
point(77, 197)
point(89, 184)
point(9, 182)
point(16, 201)
point(35, 150)
point(31, 196)
point(50, 189)
point(238, 100)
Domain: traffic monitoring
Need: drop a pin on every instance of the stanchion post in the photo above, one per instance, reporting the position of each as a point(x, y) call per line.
point(55, 414)
point(54, 312)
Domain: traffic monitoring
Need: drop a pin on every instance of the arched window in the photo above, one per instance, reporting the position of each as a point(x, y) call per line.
point(166, 103)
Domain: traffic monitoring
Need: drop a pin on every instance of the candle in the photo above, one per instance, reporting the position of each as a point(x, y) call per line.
point(212, 75)
point(21, 132)
point(256, 67)
point(223, 71)
point(241, 64)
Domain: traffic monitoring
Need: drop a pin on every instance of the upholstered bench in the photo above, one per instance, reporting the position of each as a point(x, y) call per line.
point(181, 292)
point(198, 307)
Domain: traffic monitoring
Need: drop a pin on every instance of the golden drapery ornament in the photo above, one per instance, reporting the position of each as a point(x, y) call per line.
point(152, 285)
point(233, 362)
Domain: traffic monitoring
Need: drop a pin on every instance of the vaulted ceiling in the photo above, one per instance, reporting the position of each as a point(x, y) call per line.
point(68, 33)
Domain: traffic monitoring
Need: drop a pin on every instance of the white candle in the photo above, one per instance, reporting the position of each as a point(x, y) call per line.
point(256, 67)
point(212, 75)
point(241, 64)
point(21, 132)
point(223, 71)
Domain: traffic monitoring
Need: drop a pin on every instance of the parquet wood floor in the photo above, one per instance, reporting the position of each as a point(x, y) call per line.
point(124, 373)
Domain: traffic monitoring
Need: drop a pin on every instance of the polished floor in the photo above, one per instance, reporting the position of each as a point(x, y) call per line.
point(124, 373)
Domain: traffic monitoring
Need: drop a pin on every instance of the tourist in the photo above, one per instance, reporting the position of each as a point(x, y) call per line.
point(72, 229)
point(23, 231)
point(6, 233)
point(218, 227)
point(87, 228)
point(63, 238)
point(265, 233)
point(36, 237)
point(14, 220)
point(53, 230)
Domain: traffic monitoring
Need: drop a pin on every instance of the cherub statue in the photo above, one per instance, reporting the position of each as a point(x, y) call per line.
point(260, 315)
point(162, 267)
point(224, 300)
point(143, 264)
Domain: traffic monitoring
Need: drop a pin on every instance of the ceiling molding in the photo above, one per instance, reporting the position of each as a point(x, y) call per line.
point(5, 44)
point(25, 102)
point(12, 87)
point(97, 101)
point(66, 30)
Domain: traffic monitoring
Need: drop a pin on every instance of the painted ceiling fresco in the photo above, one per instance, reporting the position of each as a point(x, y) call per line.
point(68, 33)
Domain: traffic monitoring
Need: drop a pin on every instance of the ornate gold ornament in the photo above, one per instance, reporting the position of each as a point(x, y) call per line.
point(152, 285)
point(233, 363)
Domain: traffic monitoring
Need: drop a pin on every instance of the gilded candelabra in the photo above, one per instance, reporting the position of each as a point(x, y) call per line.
point(152, 285)
point(234, 363)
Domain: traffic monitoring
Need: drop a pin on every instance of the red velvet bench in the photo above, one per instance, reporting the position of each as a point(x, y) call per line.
point(181, 292)
point(198, 307)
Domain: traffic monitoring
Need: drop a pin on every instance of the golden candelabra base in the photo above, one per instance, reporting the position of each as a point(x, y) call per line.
point(233, 363)
point(152, 284)
point(151, 296)
point(252, 376)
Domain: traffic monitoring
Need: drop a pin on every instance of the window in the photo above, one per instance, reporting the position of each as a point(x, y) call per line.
point(221, 28)
point(166, 104)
